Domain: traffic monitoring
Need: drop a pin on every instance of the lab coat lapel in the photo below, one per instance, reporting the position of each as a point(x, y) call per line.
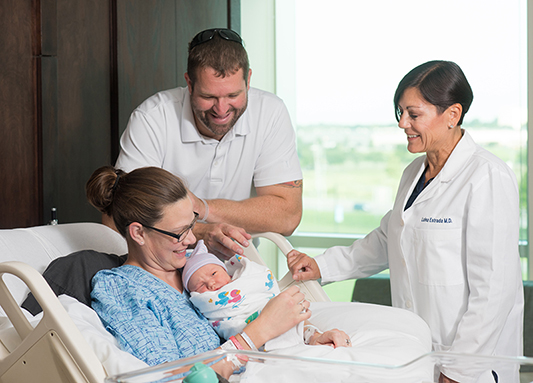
point(460, 155)
point(411, 180)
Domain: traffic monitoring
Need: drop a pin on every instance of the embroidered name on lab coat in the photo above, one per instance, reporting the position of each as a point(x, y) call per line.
point(436, 220)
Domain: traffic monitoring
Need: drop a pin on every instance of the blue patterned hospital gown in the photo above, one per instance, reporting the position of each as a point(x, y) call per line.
point(150, 319)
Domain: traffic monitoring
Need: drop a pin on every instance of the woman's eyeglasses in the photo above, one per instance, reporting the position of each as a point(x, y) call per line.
point(208, 34)
point(180, 236)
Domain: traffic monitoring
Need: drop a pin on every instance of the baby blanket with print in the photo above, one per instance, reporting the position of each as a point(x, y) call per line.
point(232, 307)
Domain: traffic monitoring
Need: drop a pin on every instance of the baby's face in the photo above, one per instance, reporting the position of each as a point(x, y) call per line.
point(210, 277)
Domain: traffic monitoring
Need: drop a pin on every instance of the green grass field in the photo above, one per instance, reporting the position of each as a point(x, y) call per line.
point(340, 291)
point(355, 222)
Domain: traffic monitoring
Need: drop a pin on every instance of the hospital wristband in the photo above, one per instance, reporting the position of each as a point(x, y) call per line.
point(206, 211)
point(248, 341)
point(309, 331)
point(236, 343)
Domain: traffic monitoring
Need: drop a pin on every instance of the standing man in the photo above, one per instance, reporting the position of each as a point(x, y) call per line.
point(234, 146)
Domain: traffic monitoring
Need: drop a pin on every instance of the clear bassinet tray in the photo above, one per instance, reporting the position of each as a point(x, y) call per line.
point(270, 367)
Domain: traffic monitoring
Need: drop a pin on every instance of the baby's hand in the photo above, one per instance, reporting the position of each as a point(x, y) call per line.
point(334, 338)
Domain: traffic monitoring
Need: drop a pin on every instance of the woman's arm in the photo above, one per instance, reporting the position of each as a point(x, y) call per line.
point(363, 258)
point(151, 328)
point(279, 315)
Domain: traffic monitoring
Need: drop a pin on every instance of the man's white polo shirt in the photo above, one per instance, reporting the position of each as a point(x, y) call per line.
point(259, 151)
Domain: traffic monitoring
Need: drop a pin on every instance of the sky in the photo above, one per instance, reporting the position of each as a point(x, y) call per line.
point(351, 54)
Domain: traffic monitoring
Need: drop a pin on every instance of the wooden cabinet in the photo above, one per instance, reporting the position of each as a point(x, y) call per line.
point(71, 73)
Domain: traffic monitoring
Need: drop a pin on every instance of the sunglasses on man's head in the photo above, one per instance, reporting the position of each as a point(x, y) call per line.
point(208, 34)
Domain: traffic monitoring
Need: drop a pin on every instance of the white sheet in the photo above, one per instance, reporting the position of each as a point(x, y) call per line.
point(379, 334)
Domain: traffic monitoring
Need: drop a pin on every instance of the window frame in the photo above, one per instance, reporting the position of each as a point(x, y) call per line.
point(262, 50)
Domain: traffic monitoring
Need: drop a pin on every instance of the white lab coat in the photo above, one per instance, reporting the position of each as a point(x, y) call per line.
point(453, 258)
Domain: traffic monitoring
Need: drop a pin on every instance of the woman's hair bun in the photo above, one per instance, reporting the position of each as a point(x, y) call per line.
point(101, 187)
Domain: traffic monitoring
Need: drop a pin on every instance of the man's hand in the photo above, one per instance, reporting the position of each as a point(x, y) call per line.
point(302, 266)
point(222, 239)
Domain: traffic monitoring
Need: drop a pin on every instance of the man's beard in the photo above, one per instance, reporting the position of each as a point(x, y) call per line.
point(216, 129)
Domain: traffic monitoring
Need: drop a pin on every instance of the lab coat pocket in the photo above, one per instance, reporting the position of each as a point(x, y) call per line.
point(438, 257)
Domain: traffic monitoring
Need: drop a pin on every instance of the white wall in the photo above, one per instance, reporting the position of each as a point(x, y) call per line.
point(258, 33)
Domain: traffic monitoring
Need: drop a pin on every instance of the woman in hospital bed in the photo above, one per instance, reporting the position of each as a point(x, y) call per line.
point(144, 305)
point(451, 239)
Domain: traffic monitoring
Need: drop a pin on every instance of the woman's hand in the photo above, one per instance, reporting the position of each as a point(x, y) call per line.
point(333, 338)
point(302, 266)
point(224, 368)
point(279, 315)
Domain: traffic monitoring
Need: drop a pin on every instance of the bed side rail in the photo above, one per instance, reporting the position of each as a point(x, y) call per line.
point(53, 351)
point(312, 289)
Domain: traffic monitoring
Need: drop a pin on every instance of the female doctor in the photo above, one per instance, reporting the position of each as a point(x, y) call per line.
point(451, 239)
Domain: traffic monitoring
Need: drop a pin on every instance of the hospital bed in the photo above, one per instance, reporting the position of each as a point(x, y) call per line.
point(67, 342)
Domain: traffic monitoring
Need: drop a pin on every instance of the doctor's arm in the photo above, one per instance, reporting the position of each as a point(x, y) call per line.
point(363, 258)
point(276, 208)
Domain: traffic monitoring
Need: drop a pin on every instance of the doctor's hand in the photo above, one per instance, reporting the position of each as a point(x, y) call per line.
point(302, 266)
point(222, 239)
point(333, 338)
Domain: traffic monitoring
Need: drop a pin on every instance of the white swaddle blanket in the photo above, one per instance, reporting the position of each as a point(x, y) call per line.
point(236, 304)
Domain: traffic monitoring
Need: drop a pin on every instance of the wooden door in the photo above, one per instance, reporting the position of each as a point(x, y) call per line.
point(70, 75)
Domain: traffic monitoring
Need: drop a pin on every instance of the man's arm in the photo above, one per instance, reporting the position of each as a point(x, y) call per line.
point(276, 208)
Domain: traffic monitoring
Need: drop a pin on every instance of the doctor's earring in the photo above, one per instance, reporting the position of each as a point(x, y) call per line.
point(450, 126)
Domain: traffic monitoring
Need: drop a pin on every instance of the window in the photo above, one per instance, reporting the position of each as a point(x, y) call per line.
point(337, 65)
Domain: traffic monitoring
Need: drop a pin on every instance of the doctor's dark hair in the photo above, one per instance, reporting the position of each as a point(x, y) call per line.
point(224, 56)
point(138, 196)
point(441, 83)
